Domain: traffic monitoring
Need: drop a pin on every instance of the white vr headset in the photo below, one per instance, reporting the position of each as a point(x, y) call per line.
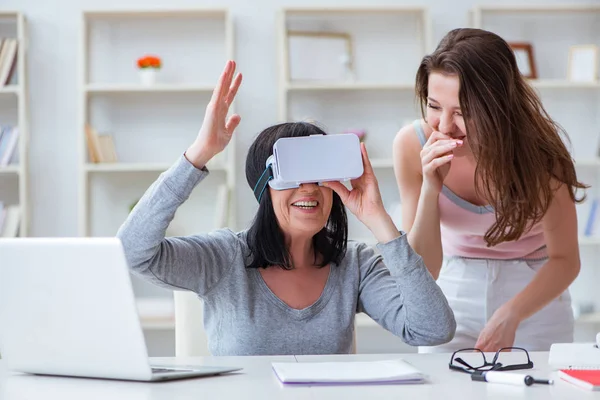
point(311, 159)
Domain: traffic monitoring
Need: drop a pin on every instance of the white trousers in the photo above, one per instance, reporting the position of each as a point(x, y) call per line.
point(476, 288)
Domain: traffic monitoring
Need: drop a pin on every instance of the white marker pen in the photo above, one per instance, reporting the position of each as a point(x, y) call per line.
point(508, 378)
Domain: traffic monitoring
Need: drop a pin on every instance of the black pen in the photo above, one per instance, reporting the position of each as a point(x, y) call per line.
point(508, 378)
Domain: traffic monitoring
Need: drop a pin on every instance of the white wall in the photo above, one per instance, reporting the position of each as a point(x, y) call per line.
point(53, 55)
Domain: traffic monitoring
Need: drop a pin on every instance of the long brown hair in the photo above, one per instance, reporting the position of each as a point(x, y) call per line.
point(518, 147)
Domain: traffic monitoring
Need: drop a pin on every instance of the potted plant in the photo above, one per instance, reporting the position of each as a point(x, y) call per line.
point(148, 66)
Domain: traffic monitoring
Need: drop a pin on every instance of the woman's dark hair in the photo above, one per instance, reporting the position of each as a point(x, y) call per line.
point(265, 237)
point(521, 157)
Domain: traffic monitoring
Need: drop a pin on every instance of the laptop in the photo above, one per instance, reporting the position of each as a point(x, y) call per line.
point(67, 308)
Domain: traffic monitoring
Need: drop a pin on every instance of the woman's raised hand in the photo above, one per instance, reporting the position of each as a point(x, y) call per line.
point(364, 201)
point(217, 129)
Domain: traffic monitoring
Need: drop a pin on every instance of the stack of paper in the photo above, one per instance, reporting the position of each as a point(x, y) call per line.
point(388, 371)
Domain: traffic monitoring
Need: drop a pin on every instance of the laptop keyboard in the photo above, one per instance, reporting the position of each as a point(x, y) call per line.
point(166, 370)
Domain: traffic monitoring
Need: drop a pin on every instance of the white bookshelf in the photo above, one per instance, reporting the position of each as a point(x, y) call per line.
point(562, 84)
point(11, 89)
point(14, 179)
point(377, 163)
point(10, 170)
point(348, 86)
point(388, 43)
point(151, 125)
point(574, 105)
point(141, 167)
point(156, 313)
point(134, 88)
point(591, 319)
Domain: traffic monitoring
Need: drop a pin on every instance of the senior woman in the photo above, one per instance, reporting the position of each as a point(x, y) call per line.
point(292, 283)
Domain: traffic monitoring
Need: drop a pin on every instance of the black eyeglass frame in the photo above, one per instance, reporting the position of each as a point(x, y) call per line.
point(488, 366)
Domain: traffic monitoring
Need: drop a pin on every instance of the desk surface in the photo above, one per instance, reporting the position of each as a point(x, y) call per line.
point(257, 381)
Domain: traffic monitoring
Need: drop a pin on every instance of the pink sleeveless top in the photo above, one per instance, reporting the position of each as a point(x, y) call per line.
point(463, 226)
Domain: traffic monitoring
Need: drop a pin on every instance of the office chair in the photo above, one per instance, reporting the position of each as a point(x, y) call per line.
point(190, 337)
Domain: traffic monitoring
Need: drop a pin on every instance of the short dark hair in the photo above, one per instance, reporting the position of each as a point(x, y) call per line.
point(265, 238)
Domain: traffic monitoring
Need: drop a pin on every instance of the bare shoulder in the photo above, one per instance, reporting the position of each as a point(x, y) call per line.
point(407, 148)
point(407, 136)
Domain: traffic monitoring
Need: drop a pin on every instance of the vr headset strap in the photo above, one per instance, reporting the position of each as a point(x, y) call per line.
point(262, 183)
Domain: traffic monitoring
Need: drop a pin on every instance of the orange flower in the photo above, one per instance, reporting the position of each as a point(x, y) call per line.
point(149, 62)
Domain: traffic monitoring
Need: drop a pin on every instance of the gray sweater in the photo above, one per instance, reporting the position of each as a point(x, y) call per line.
point(243, 317)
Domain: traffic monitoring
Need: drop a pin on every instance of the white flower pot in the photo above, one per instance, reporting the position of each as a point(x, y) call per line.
point(148, 76)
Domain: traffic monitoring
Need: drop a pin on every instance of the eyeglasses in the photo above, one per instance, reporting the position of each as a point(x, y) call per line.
point(500, 362)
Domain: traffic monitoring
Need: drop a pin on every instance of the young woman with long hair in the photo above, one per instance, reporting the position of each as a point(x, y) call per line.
point(488, 191)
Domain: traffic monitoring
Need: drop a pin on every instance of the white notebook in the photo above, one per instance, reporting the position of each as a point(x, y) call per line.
point(574, 356)
point(388, 371)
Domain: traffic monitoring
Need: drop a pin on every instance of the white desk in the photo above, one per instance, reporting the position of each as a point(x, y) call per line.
point(257, 381)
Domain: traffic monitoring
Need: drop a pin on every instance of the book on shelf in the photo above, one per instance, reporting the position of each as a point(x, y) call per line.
point(9, 136)
point(101, 147)
point(10, 217)
point(107, 148)
point(8, 59)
